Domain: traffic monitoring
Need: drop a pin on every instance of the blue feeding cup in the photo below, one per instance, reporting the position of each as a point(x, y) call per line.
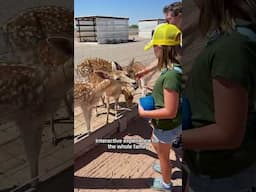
point(147, 103)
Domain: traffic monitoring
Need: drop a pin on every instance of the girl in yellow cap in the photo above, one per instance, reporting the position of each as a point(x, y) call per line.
point(166, 117)
point(173, 15)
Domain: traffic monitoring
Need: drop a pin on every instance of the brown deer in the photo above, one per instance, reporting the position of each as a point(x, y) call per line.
point(133, 68)
point(119, 86)
point(86, 68)
point(92, 64)
point(36, 71)
point(127, 91)
point(89, 65)
point(87, 94)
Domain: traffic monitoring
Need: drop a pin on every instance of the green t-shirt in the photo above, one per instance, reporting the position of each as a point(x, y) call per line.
point(233, 57)
point(169, 79)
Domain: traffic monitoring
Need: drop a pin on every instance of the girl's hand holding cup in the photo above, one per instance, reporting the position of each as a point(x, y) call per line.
point(146, 104)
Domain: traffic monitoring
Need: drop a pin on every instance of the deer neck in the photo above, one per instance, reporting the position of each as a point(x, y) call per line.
point(68, 70)
point(103, 85)
point(125, 92)
point(61, 79)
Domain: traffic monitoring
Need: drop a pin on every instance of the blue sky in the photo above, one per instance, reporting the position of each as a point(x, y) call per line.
point(134, 9)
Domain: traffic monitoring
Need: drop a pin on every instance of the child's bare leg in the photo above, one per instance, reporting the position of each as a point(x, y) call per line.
point(155, 145)
point(164, 157)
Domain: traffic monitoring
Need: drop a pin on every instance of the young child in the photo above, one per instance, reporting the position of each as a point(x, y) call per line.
point(166, 117)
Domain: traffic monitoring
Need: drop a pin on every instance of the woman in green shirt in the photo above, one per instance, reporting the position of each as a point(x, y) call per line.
point(221, 90)
point(166, 118)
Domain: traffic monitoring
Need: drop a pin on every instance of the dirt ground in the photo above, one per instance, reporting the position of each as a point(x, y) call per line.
point(104, 169)
point(121, 53)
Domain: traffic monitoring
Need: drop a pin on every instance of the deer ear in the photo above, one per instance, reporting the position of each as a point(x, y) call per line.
point(102, 75)
point(116, 66)
point(62, 44)
point(131, 63)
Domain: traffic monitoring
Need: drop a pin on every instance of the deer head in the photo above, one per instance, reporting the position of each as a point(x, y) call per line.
point(61, 43)
point(127, 92)
point(118, 76)
point(129, 69)
point(63, 46)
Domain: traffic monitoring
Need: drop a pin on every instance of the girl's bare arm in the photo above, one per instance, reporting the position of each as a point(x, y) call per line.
point(171, 103)
point(231, 106)
point(147, 70)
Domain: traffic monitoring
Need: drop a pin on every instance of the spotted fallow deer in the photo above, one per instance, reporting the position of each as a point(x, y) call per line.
point(24, 38)
point(133, 68)
point(92, 64)
point(85, 68)
point(36, 71)
point(88, 66)
point(87, 94)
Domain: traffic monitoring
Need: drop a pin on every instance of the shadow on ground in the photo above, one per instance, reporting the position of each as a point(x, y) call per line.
point(60, 182)
point(136, 127)
point(106, 183)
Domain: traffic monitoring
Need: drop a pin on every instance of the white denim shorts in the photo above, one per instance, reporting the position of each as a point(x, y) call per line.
point(165, 136)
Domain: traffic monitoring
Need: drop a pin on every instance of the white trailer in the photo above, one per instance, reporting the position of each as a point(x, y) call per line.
point(147, 26)
point(102, 29)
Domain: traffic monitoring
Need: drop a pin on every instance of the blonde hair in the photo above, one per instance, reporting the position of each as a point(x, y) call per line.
point(221, 14)
point(168, 57)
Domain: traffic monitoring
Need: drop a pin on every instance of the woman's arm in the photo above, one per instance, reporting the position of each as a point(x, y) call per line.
point(231, 106)
point(171, 103)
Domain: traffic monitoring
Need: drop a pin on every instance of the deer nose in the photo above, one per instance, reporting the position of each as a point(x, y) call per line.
point(135, 85)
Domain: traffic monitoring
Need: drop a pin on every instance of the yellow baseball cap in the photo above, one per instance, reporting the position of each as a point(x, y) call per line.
point(164, 34)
